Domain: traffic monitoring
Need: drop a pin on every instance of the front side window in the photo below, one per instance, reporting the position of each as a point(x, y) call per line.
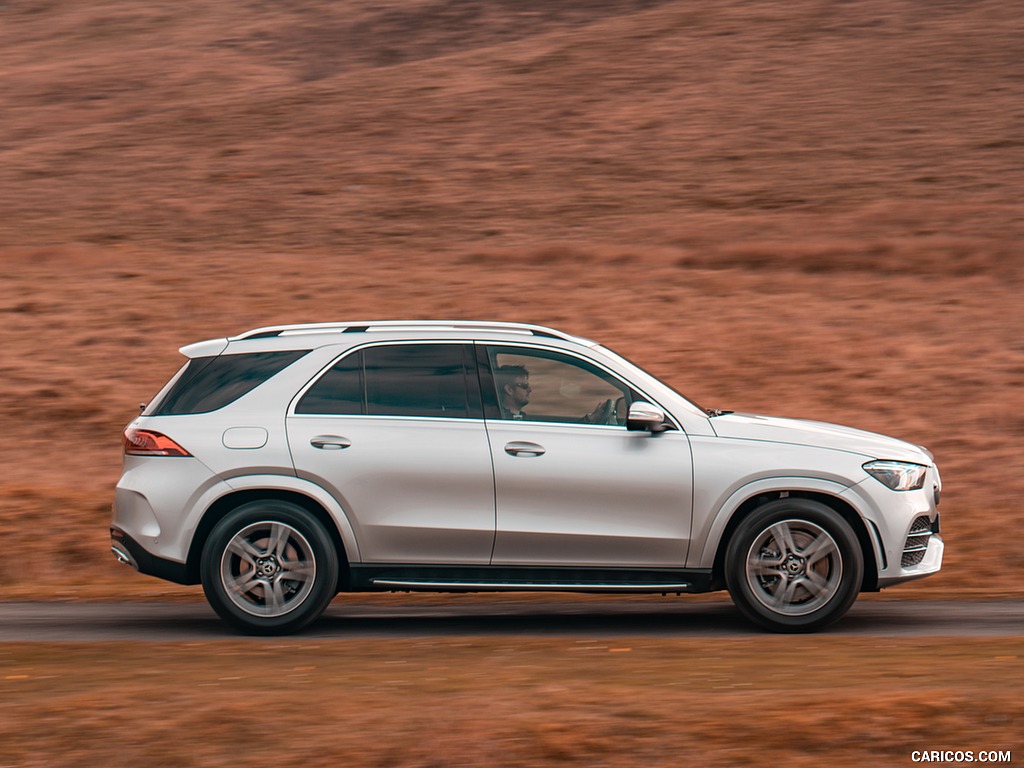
point(424, 380)
point(543, 385)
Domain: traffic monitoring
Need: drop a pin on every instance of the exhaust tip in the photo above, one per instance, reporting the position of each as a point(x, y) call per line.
point(123, 556)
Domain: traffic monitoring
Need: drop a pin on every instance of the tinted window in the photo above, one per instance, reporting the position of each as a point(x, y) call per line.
point(209, 383)
point(416, 380)
point(400, 380)
point(543, 385)
point(337, 392)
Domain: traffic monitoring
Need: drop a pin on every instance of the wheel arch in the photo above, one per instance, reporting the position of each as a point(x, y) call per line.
point(224, 504)
point(869, 582)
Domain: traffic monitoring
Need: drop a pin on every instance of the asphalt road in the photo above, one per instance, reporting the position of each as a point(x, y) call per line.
point(505, 617)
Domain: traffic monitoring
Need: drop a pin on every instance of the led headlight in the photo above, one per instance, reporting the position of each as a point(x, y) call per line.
point(897, 475)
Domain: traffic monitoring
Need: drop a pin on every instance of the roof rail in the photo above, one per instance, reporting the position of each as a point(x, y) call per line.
point(405, 325)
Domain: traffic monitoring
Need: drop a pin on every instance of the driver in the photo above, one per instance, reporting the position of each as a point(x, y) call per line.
point(514, 387)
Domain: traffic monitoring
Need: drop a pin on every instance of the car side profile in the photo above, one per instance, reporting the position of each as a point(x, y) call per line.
point(287, 464)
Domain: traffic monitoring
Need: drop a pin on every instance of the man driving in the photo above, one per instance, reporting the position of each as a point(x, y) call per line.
point(515, 390)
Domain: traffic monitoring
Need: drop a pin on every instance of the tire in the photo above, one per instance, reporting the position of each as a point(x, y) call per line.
point(269, 568)
point(794, 565)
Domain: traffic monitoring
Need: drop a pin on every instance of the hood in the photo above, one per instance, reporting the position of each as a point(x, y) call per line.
point(818, 434)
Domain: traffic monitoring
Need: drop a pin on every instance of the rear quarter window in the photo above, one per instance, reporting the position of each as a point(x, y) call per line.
point(209, 383)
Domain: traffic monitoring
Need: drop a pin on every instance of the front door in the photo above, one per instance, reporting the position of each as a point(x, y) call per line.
point(573, 486)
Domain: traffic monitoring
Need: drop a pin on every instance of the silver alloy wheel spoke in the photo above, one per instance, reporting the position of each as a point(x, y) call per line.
point(767, 567)
point(278, 540)
point(784, 592)
point(297, 571)
point(821, 547)
point(815, 583)
point(244, 549)
point(784, 538)
point(274, 596)
point(243, 584)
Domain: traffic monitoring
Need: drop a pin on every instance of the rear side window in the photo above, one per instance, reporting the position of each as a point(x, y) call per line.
point(209, 383)
point(425, 380)
point(339, 392)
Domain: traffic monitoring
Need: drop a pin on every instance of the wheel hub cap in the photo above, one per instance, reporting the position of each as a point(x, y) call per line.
point(795, 565)
point(267, 567)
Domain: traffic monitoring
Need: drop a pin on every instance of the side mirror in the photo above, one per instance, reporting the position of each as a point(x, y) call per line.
point(644, 417)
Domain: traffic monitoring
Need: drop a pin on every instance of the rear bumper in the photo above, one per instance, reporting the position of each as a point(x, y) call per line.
point(129, 552)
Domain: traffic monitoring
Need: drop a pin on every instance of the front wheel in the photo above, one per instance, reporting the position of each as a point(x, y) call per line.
point(794, 565)
point(269, 568)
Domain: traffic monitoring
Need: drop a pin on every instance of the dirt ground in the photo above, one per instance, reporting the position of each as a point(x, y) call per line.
point(804, 209)
point(514, 702)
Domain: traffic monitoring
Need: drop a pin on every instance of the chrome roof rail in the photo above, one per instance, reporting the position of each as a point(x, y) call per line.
point(370, 326)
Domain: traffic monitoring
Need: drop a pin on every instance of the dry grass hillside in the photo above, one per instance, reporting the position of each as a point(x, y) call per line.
point(808, 209)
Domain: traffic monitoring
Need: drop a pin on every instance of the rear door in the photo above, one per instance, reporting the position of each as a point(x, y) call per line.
point(395, 433)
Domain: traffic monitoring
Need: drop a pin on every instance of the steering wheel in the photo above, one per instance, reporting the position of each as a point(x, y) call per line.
point(607, 413)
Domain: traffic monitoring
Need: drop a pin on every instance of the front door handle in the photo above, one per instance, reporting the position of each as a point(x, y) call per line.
point(330, 442)
point(522, 448)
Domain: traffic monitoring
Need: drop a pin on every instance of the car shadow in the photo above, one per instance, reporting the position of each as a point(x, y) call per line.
point(591, 620)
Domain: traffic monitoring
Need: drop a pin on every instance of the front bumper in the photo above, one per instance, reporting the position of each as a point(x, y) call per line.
point(930, 563)
point(903, 527)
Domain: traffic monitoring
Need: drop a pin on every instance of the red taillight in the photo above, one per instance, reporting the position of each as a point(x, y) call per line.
point(146, 442)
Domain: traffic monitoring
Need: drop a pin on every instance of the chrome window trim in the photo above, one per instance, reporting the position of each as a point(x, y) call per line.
point(390, 417)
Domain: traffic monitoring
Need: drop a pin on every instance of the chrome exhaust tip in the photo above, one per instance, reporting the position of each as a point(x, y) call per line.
point(123, 555)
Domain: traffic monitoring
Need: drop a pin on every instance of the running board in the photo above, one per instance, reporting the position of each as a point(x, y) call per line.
point(525, 586)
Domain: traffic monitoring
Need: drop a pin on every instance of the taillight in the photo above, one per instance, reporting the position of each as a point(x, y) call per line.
point(146, 442)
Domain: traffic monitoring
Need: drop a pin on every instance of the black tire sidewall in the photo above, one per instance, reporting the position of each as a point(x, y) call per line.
point(325, 582)
point(794, 509)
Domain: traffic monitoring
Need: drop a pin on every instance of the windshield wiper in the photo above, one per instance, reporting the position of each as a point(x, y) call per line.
point(712, 412)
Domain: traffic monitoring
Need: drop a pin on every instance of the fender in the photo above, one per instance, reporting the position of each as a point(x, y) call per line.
point(727, 509)
point(306, 488)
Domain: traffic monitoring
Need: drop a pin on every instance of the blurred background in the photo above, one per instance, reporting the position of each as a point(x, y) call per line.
point(806, 209)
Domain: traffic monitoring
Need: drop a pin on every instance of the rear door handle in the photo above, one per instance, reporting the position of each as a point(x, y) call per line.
point(330, 442)
point(522, 448)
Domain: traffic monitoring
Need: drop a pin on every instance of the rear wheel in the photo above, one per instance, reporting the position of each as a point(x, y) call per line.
point(269, 567)
point(794, 565)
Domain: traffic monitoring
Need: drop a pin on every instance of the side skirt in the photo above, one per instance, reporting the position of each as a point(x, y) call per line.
point(497, 578)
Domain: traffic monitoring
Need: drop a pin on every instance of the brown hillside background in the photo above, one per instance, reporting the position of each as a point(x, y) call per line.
point(808, 209)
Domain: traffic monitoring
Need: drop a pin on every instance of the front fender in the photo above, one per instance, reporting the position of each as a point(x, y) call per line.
point(716, 523)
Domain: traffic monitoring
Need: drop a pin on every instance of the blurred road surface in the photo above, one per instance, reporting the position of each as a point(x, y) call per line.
point(507, 617)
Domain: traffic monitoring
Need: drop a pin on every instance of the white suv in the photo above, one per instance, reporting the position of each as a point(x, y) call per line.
point(286, 464)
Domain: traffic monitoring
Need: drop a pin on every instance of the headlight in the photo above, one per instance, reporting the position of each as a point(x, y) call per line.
point(897, 475)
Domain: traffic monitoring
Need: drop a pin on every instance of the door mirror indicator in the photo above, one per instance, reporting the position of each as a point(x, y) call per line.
point(644, 417)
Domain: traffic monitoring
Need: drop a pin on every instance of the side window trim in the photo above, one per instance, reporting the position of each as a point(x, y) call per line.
point(485, 378)
point(471, 376)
